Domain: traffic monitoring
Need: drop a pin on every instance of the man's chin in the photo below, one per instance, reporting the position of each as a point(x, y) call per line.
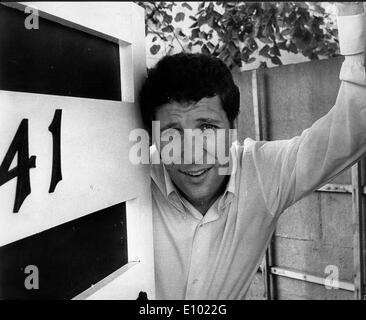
point(196, 195)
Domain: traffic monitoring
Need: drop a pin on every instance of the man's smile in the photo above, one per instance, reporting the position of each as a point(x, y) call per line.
point(195, 173)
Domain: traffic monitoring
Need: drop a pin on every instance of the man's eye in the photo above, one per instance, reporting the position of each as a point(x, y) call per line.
point(208, 126)
point(170, 132)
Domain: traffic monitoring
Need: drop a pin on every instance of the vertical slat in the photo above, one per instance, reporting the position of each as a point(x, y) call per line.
point(362, 228)
point(260, 134)
point(269, 292)
point(256, 107)
point(358, 232)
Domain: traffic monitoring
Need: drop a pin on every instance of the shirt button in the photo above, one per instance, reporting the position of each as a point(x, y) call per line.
point(194, 281)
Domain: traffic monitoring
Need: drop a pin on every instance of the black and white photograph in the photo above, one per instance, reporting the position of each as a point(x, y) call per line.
point(198, 151)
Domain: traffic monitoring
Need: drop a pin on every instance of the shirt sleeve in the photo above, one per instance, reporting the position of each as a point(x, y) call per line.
point(288, 170)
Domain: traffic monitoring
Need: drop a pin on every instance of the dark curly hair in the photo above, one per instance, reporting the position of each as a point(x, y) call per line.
point(186, 77)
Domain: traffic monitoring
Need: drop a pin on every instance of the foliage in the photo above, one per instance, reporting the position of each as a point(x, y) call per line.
point(234, 31)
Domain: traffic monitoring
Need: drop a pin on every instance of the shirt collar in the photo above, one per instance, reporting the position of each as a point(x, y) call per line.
point(230, 190)
point(169, 186)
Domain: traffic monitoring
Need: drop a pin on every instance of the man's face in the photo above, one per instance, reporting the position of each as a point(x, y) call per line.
point(199, 183)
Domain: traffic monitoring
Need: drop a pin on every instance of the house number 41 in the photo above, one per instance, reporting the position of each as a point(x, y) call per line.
point(20, 146)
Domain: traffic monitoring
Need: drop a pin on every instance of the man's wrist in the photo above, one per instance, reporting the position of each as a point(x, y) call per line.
point(349, 8)
point(351, 34)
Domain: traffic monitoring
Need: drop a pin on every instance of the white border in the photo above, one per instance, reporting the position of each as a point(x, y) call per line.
point(121, 23)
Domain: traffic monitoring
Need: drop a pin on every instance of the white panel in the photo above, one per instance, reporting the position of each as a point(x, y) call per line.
point(127, 74)
point(96, 169)
point(127, 286)
point(92, 180)
point(138, 275)
point(113, 19)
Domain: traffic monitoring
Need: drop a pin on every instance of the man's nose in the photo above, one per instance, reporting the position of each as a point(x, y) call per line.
point(188, 147)
point(194, 149)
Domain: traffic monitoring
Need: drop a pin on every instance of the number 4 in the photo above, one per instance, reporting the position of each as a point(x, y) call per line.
point(18, 145)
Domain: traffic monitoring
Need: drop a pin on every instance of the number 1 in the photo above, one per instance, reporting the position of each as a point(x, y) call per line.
point(55, 129)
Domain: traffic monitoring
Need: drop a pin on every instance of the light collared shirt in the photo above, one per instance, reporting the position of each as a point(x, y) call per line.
point(216, 255)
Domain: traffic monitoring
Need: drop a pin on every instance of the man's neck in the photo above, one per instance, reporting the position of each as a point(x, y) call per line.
point(204, 204)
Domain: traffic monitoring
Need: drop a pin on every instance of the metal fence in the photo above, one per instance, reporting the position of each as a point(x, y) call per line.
point(322, 237)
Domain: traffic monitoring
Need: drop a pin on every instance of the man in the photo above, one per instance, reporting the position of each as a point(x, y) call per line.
point(210, 229)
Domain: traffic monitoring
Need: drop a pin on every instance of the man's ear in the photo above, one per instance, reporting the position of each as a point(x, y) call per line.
point(235, 123)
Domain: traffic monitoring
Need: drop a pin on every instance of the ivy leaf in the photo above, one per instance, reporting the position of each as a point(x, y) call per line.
point(276, 60)
point(205, 50)
point(263, 65)
point(275, 51)
point(265, 40)
point(195, 33)
point(210, 45)
point(252, 44)
point(264, 51)
point(168, 18)
point(154, 49)
point(179, 16)
point(252, 59)
point(202, 20)
point(194, 25)
point(198, 43)
point(168, 29)
point(186, 5)
point(292, 47)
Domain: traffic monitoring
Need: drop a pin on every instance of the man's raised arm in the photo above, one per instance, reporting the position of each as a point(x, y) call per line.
point(290, 169)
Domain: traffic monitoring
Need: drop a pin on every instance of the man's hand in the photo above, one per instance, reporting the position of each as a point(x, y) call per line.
point(349, 8)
